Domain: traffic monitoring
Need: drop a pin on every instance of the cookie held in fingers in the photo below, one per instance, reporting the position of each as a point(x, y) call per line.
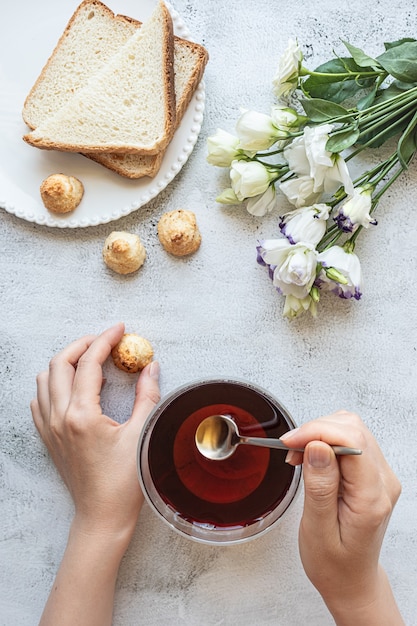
point(61, 193)
point(132, 353)
point(123, 252)
point(178, 232)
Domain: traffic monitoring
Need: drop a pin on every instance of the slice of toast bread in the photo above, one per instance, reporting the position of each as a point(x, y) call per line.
point(128, 105)
point(93, 34)
point(190, 60)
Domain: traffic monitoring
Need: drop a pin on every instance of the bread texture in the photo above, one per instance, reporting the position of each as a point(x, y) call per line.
point(190, 60)
point(128, 105)
point(93, 35)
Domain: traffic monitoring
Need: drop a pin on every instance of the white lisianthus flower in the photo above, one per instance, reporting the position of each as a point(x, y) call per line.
point(355, 211)
point(338, 175)
point(222, 148)
point(292, 267)
point(249, 178)
point(293, 307)
point(263, 203)
point(307, 224)
point(307, 156)
point(256, 131)
point(341, 272)
point(286, 77)
point(299, 191)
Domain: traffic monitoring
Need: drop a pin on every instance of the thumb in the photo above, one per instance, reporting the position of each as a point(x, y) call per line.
point(147, 394)
point(321, 486)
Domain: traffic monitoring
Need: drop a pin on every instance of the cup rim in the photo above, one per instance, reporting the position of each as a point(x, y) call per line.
point(201, 532)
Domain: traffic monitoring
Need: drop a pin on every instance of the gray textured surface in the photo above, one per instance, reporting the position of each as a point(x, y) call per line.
point(214, 313)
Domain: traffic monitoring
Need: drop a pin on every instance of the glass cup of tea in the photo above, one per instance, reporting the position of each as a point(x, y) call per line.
point(216, 501)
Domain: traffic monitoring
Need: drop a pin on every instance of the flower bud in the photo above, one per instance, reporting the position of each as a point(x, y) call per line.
point(249, 178)
point(333, 274)
point(294, 307)
point(228, 196)
point(286, 119)
point(222, 148)
point(286, 78)
point(256, 131)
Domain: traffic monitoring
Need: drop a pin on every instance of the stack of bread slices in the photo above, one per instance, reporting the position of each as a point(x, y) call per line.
point(114, 89)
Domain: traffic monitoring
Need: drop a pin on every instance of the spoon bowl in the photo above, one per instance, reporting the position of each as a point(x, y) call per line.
point(217, 438)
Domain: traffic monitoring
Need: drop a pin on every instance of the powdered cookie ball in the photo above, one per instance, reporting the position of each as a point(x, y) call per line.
point(178, 232)
point(123, 252)
point(132, 353)
point(61, 193)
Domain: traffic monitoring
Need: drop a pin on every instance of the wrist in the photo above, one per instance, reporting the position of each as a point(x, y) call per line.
point(368, 604)
point(100, 535)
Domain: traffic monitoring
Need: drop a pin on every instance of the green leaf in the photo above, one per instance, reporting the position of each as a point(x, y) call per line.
point(368, 100)
point(337, 80)
point(407, 143)
point(401, 61)
point(389, 92)
point(342, 139)
point(319, 110)
point(399, 42)
point(336, 91)
point(360, 58)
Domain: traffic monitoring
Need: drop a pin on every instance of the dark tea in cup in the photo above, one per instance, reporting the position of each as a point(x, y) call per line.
point(212, 501)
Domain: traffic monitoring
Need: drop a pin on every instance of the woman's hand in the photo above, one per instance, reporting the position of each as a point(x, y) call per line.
point(96, 458)
point(95, 455)
point(348, 503)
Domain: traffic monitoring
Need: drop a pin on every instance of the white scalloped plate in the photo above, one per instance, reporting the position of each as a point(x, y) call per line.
point(28, 33)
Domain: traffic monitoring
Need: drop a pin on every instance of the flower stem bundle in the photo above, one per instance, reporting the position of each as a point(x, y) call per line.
point(321, 120)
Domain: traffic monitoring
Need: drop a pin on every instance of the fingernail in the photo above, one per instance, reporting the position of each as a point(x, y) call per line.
point(319, 456)
point(154, 369)
point(290, 456)
point(289, 434)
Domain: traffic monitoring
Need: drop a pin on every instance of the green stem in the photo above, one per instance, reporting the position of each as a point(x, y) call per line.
point(388, 184)
point(375, 111)
point(391, 102)
point(343, 75)
point(390, 163)
point(366, 126)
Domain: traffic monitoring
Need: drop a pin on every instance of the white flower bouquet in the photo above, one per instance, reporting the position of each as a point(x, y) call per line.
point(320, 121)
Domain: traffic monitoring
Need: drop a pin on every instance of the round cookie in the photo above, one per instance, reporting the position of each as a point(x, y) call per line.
point(123, 252)
point(61, 193)
point(178, 232)
point(132, 353)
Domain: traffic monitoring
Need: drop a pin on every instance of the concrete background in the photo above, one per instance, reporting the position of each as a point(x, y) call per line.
point(211, 314)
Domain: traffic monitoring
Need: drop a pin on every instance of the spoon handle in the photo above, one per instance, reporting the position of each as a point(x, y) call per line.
point(265, 442)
